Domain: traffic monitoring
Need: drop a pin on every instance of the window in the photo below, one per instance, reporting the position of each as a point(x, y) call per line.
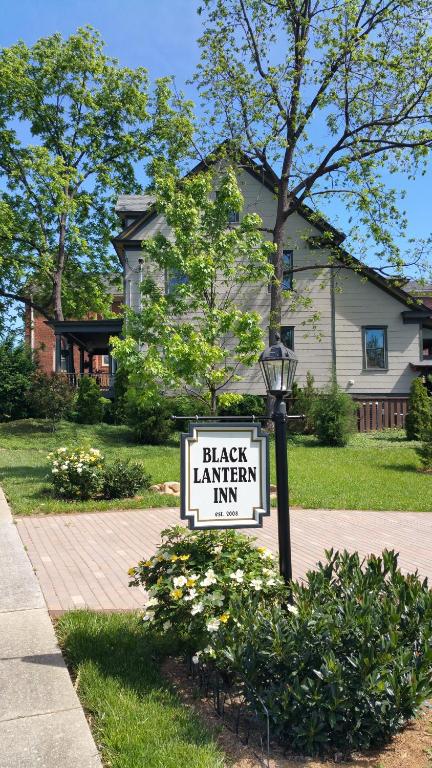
point(375, 348)
point(174, 278)
point(287, 335)
point(105, 360)
point(233, 217)
point(287, 277)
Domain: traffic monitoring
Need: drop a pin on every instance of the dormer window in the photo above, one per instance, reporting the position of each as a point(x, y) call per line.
point(233, 217)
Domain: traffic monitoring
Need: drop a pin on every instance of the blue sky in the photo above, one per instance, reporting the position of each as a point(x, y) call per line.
point(160, 35)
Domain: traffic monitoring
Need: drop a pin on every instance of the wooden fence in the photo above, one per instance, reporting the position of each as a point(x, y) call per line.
point(389, 413)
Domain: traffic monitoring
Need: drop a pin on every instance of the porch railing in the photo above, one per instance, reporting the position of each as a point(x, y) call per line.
point(388, 413)
point(105, 380)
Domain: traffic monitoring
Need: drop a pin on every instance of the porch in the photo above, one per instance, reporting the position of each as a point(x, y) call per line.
point(82, 348)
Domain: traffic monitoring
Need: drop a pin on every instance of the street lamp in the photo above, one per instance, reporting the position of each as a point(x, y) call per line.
point(278, 366)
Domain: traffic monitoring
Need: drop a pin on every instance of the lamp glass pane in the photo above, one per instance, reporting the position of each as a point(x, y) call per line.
point(273, 372)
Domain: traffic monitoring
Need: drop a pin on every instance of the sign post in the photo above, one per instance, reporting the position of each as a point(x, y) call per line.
point(224, 475)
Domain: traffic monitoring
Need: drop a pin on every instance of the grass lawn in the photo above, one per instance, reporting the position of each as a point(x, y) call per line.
point(376, 470)
point(136, 718)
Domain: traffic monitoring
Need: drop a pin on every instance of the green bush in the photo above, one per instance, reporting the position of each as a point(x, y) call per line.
point(233, 404)
point(184, 405)
point(419, 416)
point(151, 423)
point(123, 479)
point(345, 665)
point(303, 403)
point(121, 383)
point(17, 367)
point(89, 403)
point(333, 415)
point(50, 397)
point(76, 473)
point(194, 576)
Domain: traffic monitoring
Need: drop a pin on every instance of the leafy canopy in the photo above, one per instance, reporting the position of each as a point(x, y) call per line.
point(325, 97)
point(73, 124)
point(193, 334)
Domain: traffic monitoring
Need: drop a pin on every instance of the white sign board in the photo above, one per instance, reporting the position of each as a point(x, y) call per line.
point(225, 476)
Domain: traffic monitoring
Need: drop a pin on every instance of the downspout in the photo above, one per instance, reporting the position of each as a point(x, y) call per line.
point(333, 323)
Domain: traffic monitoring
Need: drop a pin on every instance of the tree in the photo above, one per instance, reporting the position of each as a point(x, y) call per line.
point(193, 336)
point(419, 417)
point(88, 120)
point(17, 366)
point(323, 97)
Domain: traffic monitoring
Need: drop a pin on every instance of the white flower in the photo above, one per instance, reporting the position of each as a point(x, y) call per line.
point(213, 625)
point(79, 470)
point(266, 555)
point(256, 584)
point(217, 550)
point(166, 625)
point(292, 609)
point(210, 578)
point(54, 471)
point(191, 595)
point(64, 466)
point(179, 581)
point(271, 581)
point(148, 616)
point(237, 576)
point(62, 490)
point(209, 651)
point(195, 659)
point(152, 601)
point(197, 608)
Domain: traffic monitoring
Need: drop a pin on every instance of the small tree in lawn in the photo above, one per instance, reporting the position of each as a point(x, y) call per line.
point(419, 416)
point(50, 397)
point(193, 336)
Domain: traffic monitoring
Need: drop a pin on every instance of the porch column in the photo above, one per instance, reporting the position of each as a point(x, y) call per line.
point(81, 361)
point(90, 368)
point(70, 359)
point(58, 352)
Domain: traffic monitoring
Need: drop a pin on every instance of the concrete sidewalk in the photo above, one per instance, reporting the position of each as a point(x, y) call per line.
point(42, 724)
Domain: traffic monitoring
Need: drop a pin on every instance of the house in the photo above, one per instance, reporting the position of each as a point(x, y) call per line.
point(375, 336)
point(371, 333)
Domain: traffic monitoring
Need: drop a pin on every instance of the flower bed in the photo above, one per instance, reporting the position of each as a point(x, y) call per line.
point(339, 663)
point(81, 473)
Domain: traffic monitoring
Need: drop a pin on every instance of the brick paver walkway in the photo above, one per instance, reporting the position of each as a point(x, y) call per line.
point(82, 560)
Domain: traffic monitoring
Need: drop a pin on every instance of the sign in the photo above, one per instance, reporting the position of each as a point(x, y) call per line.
point(224, 476)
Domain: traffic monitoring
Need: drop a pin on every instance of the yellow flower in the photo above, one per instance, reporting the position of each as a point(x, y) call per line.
point(190, 582)
point(148, 563)
point(224, 618)
point(184, 557)
point(261, 549)
point(160, 580)
point(176, 594)
point(131, 572)
point(174, 558)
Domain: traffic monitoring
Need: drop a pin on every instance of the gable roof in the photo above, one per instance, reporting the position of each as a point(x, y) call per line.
point(143, 209)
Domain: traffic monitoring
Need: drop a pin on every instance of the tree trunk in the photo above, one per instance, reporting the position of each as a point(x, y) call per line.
point(58, 274)
point(213, 403)
point(275, 316)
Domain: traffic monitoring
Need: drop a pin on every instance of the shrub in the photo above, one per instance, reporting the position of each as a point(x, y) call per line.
point(303, 403)
point(184, 405)
point(123, 479)
point(76, 473)
point(233, 404)
point(121, 381)
point(151, 422)
point(17, 367)
point(333, 414)
point(419, 416)
point(50, 396)
point(194, 576)
point(424, 450)
point(89, 404)
point(345, 666)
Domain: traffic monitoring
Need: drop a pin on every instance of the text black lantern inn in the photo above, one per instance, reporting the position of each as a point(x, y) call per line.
point(278, 366)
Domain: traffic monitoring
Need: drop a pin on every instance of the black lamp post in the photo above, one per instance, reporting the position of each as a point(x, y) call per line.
point(278, 366)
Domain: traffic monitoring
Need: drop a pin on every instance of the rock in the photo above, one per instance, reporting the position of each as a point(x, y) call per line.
point(171, 488)
point(273, 488)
